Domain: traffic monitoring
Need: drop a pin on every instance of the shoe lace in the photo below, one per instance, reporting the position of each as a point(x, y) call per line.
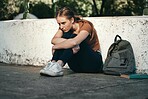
point(53, 66)
point(49, 65)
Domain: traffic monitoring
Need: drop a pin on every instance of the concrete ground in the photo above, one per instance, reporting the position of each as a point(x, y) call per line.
point(25, 82)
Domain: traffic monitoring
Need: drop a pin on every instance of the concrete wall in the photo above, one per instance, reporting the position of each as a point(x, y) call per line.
point(27, 42)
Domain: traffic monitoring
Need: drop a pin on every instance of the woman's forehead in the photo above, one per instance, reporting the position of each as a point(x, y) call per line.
point(61, 19)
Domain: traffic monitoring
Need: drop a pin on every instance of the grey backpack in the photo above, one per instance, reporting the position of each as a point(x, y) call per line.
point(120, 58)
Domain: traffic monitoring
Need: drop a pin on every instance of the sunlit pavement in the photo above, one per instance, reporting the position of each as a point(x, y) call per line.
point(25, 82)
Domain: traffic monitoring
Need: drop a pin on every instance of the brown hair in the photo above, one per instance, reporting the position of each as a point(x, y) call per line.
point(65, 11)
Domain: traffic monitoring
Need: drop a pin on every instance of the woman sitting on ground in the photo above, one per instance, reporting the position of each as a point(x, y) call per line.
point(75, 43)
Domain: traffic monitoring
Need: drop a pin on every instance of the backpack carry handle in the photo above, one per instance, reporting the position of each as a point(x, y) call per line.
point(114, 44)
point(117, 36)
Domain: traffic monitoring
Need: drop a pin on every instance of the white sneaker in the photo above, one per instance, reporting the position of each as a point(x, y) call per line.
point(52, 69)
point(49, 64)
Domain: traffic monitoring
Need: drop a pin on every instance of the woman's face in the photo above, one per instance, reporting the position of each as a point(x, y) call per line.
point(64, 23)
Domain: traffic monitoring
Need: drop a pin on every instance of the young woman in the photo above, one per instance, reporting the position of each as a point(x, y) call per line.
point(76, 43)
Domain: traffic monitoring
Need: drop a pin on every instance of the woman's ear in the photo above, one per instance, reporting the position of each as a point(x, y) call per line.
point(72, 20)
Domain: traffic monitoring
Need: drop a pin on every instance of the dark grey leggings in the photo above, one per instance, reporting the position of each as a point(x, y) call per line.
point(85, 61)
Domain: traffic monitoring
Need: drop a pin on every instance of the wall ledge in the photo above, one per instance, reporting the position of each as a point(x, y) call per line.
point(27, 42)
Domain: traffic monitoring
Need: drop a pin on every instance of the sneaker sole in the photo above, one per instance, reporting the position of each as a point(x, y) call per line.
point(42, 74)
point(51, 75)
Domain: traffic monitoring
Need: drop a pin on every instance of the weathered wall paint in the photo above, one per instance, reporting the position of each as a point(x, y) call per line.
point(27, 42)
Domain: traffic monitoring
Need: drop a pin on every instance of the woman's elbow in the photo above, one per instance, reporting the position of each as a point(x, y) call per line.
point(52, 42)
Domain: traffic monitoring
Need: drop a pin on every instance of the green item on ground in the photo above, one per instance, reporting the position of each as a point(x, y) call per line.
point(135, 76)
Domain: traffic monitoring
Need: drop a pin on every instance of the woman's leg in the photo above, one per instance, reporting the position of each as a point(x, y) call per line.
point(57, 54)
point(63, 54)
point(54, 68)
point(86, 60)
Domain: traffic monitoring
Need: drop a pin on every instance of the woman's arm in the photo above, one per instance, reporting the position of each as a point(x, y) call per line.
point(57, 38)
point(72, 42)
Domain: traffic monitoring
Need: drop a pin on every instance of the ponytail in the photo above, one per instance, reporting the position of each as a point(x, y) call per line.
point(78, 18)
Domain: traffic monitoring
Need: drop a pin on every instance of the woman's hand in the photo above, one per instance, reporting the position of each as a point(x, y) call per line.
point(76, 49)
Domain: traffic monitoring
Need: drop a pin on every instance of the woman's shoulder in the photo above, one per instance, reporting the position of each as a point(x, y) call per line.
point(84, 23)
